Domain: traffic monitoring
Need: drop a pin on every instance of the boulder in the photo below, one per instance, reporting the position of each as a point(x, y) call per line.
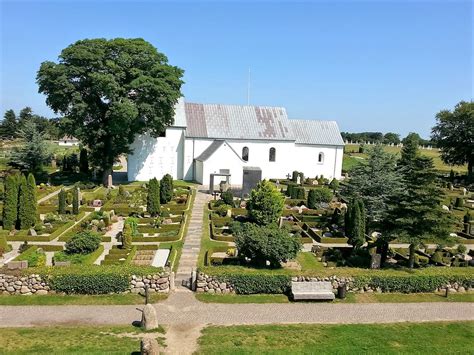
point(149, 318)
point(149, 346)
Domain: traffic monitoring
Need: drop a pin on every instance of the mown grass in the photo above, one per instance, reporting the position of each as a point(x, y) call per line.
point(351, 151)
point(72, 339)
point(412, 338)
point(45, 300)
point(350, 298)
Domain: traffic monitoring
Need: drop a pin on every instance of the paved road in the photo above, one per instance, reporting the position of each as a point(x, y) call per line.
point(182, 308)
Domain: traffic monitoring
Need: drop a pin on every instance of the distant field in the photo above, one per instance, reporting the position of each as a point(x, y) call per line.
point(352, 158)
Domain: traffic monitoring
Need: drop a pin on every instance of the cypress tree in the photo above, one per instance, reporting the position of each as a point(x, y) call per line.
point(127, 236)
point(83, 161)
point(166, 189)
point(75, 201)
point(32, 203)
point(10, 207)
point(363, 217)
point(153, 197)
point(23, 220)
point(62, 202)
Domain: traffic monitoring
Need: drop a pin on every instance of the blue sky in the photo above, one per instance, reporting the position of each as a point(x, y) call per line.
point(372, 66)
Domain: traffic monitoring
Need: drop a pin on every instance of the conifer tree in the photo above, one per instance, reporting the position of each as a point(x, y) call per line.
point(22, 221)
point(62, 202)
point(166, 188)
point(153, 197)
point(75, 201)
point(127, 236)
point(32, 203)
point(10, 207)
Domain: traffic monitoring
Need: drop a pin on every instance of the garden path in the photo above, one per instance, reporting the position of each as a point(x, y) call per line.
point(112, 233)
point(192, 240)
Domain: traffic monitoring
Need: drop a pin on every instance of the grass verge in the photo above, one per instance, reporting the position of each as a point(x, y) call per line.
point(413, 338)
point(45, 300)
point(77, 340)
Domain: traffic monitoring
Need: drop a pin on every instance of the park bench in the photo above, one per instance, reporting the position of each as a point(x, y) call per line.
point(312, 290)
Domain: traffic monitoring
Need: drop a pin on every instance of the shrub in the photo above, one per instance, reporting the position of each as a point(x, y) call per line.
point(133, 222)
point(228, 197)
point(153, 197)
point(33, 255)
point(62, 202)
point(83, 243)
point(166, 189)
point(10, 207)
point(265, 204)
point(294, 176)
point(289, 189)
point(459, 202)
point(90, 283)
point(298, 193)
point(318, 196)
point(259, 283)
point(222, 210)
point(262, 243)
point(334, 184)
point(3, 245)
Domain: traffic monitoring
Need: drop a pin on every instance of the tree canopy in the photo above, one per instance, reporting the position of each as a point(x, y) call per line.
point(110, 91)
point(454, 135)
point(265, 203)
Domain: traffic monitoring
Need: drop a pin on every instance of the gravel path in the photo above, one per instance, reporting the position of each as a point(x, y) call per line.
point(182, 308)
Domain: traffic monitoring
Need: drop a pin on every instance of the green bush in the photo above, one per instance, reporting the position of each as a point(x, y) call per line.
point(127, 236)
point(298, 193)
point(3, 245)
point(294, 176)
point(289, 188)
point(62, 202)
point(33, 255)
point(228, 197)
point(318, 196)
point(84, 242)
point(251, 284)
point(90, 284)
point(166, 188)
point(459, 202)
point(265, 203)
point(75, 201)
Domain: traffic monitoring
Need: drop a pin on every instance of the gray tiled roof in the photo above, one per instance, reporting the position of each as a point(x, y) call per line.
point(253, 122)
point(316, 132)
point(207, 153)
point(237, 122)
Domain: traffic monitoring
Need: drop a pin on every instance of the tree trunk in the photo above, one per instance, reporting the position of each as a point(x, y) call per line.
point(470, 170)
point(105, 176)
point(411, 257)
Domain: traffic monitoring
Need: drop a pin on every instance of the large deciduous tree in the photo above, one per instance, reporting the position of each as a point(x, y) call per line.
point(454, 135)
point(110, 91)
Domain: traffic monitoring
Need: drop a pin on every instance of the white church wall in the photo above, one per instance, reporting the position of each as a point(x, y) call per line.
point(306, 160)
point(155, 157)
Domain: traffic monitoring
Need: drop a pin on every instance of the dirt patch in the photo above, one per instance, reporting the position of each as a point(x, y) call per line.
point(183, 338)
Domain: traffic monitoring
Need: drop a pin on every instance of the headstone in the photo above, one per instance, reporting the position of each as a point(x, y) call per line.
point(17, 265)
point(445, 208)
point(167, 221)
point(32, 232)
point(149, 318)
point(53, 163)
point(464, 191)
point(149, 346)
point(109, 180)
point(375, 261)
point(79, 195)
point(315, 182)
point(298, 180)
point(193, 280)
point(62, 263)
point(97, 203)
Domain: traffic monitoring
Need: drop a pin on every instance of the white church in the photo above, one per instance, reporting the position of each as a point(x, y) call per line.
point(210, 139)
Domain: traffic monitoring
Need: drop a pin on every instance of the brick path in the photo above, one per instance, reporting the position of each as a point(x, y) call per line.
point(192, 241)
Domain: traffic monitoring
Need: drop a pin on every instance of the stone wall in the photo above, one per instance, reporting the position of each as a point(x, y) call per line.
point(33, 284)
point(211, 284)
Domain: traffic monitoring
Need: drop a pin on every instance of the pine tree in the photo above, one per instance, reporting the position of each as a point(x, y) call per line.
point(410, 149)
point(357, 224)
point(10, 207)
point(83, 161)
point(153, 197)
point(62, 202)
point(75, 201)
point(166, 189)
point(10, 124)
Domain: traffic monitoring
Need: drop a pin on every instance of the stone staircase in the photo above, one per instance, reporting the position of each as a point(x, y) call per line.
point(192, 242)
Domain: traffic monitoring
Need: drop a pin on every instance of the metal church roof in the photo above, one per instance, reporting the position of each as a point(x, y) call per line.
point(316, 132)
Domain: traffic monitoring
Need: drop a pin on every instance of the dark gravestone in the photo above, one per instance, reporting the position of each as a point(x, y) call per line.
point(251, 177)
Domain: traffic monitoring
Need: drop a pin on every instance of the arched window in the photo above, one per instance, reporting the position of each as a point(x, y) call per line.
point(245, 154)
point(272, 154)
point(321, 158)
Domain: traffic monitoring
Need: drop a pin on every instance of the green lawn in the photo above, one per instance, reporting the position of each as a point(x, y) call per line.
point(44, 300)
point(72, 339)
point(351, 298)
point(350, 160)
point(405, 338)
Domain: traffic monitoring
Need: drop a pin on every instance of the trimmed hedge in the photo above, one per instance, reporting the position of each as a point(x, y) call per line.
point(251, 284)
point(90, 284)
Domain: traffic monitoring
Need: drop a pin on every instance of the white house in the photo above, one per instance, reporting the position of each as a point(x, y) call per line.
point(208, 139)
point(68, 141)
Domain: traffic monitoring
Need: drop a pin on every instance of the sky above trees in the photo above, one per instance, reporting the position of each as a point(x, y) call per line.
point(372, 66)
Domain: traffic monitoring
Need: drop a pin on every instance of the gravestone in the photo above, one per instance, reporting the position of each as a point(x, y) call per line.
point(149, 318)
point(375, 261)
point(17, 265)
point(53, 163)
point(109, 180)
point(298, 180)
point(149, 346)
point(79, 196)
point(32, 232)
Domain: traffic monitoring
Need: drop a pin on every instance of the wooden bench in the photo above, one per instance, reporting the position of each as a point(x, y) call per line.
point(312, 290)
